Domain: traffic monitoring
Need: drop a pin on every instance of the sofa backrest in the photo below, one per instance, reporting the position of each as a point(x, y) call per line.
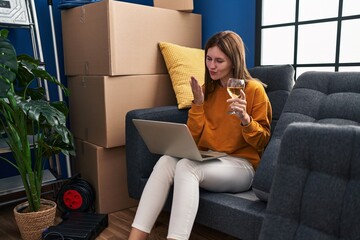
point(316, 188)
point(280, 81)
point(318, 97)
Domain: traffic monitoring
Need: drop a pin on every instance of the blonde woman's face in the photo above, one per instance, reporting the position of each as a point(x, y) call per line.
point(219, 65)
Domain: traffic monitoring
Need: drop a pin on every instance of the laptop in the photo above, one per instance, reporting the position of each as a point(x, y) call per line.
point(173, 139)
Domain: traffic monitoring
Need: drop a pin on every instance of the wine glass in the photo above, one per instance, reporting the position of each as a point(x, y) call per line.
point(234, 87)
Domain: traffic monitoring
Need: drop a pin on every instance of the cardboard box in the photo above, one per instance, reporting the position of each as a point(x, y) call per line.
point(110, 38)
point(98, 104)
point(105, 169)
point(180, 5)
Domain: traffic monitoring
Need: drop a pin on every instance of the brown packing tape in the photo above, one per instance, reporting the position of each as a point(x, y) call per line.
point(83, 15)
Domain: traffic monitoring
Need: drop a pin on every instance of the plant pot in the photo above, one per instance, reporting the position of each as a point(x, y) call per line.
point(32, 224)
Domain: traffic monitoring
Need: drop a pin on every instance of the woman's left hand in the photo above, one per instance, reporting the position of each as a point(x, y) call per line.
point(238, 105)
point(197, 91)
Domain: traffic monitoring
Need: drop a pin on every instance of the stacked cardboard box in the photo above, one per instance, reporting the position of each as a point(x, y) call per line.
point(118, 38)
point(180, 5)
point(98, 104)
point(105, 169)
point(114, 65)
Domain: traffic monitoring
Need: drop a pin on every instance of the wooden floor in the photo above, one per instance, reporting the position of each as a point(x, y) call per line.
point(119, 227)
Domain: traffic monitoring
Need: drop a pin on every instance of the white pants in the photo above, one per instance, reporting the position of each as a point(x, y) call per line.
point(227, 174)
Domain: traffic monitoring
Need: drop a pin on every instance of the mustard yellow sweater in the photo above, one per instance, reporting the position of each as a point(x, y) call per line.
point(212, 128)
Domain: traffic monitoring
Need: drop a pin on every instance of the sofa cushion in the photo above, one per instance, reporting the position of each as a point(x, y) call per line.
point(320, 97)
point(316, 188)
point(182, 63)
point(280, 81)
point(235, 214)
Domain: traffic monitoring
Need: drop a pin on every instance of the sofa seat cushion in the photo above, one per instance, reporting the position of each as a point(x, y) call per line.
point(317, 97)
point(240, 214)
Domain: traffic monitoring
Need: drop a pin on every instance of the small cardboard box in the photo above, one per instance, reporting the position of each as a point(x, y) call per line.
point(110, 38)
point(180, 5)
point(105, 170)
point(98, 104)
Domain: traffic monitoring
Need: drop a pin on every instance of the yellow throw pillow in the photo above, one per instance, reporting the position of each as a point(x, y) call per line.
point(182, 63)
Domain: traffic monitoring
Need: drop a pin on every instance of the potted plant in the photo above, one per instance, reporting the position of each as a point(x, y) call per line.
point(33, 127)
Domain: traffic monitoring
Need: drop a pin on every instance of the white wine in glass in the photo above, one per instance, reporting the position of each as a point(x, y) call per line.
point(234, 87)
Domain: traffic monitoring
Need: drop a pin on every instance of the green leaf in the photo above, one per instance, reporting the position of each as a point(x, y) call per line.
point(8, 57)
point(41, 108)
point(61, 106)
point(8, 65)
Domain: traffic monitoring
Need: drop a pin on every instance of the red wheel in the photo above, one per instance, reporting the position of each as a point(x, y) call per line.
point(72, 199)
point(76, 196)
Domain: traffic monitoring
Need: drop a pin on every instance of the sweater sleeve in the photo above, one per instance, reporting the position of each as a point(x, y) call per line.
point(257, 133)
point(196, 120)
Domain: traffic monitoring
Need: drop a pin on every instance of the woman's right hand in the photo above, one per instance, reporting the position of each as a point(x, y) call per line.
point(197, 91)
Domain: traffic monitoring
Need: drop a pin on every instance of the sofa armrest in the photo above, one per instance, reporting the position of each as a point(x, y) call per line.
point(140, 161)
point(316, 185)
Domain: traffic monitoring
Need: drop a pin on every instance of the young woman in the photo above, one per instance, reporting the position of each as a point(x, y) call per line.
point(243, 136)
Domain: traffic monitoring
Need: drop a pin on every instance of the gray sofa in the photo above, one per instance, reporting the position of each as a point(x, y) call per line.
point(316, 97)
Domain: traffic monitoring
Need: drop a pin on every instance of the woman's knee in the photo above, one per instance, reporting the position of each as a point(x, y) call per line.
point(166, 165)
point(186, 167)
point(185, 164)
